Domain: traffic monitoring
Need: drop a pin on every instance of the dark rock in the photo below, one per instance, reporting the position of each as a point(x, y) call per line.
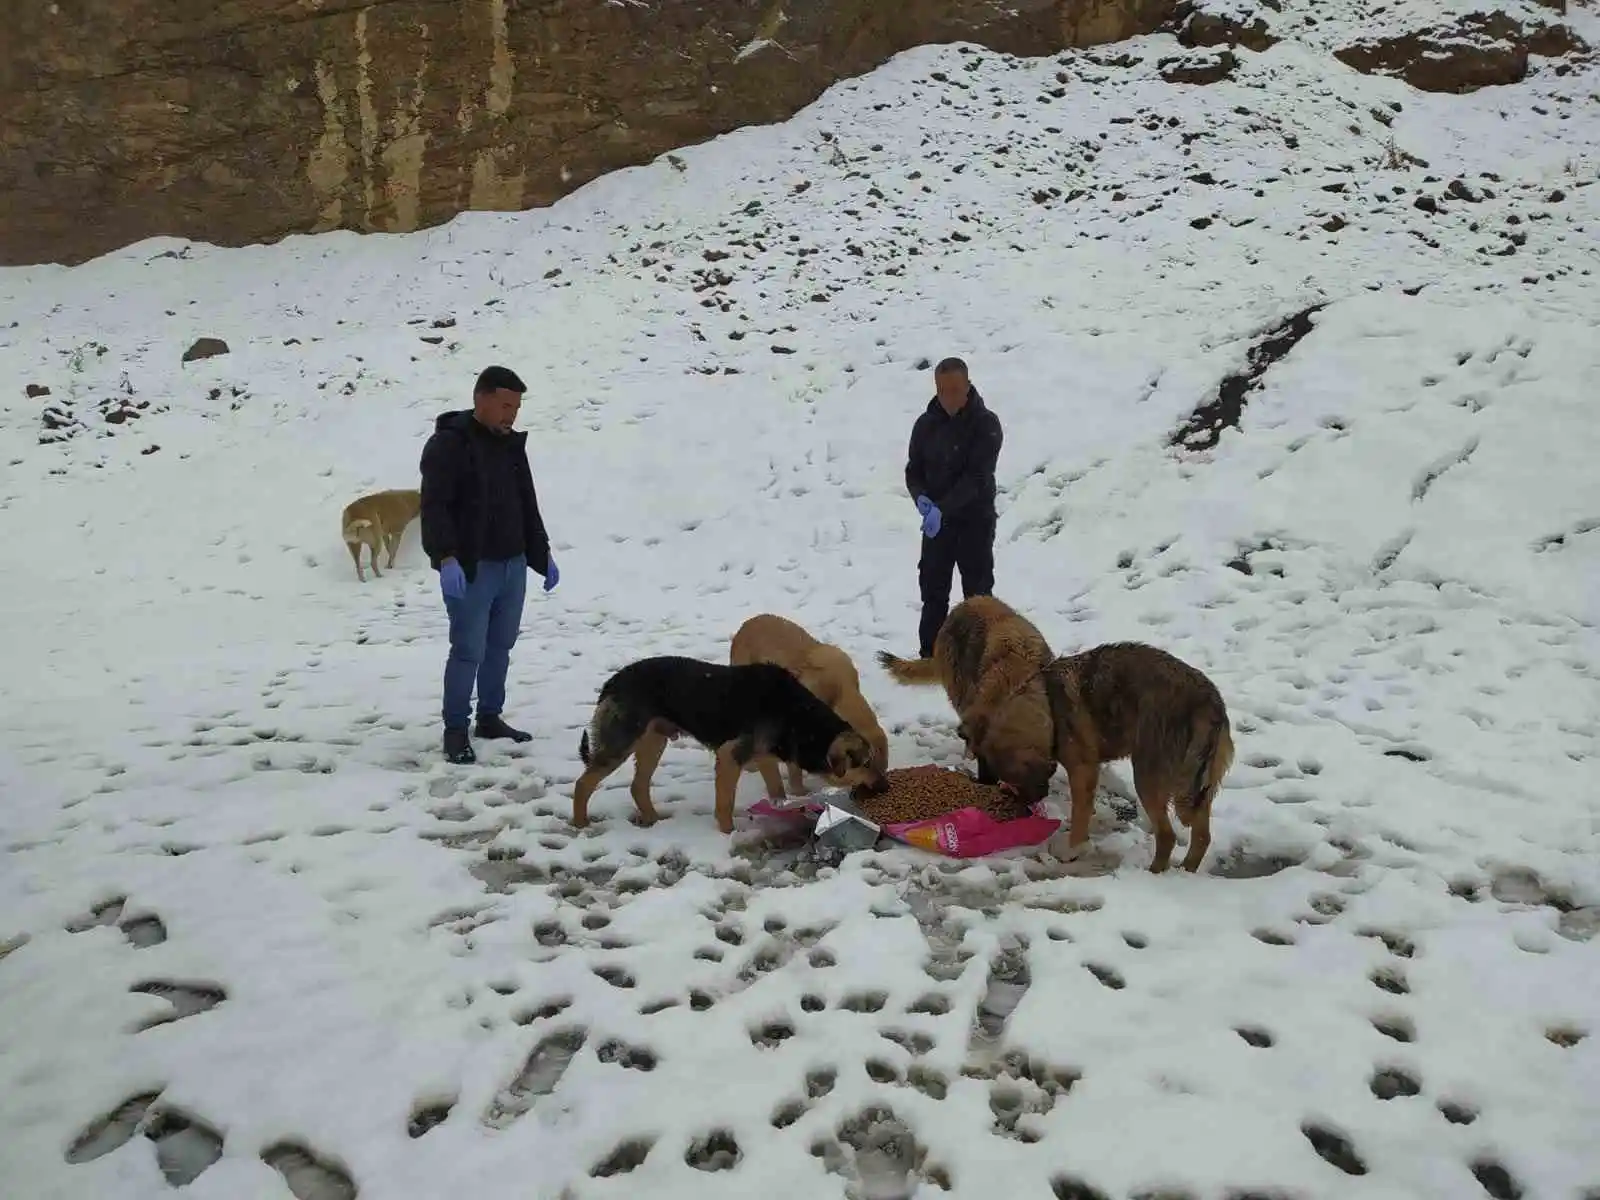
point(1479, 50)
point(206, 347)
point(1220, 29)
point(1200, 67)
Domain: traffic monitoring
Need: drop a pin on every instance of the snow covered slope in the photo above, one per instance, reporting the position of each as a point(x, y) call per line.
point(224, 804)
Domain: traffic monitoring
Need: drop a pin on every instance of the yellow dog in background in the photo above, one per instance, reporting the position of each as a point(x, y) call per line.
point(379, 519)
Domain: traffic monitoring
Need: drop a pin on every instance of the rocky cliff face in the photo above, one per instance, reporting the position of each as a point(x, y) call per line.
point(236, 121)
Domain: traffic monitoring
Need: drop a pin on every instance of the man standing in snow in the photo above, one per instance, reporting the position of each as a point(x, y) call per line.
point(950, 467)
point(482, 531)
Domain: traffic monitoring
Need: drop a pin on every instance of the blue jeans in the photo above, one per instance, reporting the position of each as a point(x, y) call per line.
point(483, 628)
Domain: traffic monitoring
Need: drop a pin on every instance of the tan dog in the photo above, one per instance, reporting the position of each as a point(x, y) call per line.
point(378, 520)
point(827, 673)
point(1130, 700)
point(991, 661)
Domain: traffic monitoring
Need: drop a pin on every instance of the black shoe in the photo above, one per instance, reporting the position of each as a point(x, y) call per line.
point(457, 748)
point(492, 727)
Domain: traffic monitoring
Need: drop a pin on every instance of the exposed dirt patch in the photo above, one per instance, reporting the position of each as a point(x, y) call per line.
point(1203, 430)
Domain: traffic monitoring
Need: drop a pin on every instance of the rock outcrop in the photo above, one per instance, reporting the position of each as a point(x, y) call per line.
point(1479, 50)
point(237, 121)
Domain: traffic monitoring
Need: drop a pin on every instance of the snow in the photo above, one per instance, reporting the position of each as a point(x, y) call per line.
point(1389, 569)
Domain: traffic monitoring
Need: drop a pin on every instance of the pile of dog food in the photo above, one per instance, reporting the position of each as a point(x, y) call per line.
point(926, 793)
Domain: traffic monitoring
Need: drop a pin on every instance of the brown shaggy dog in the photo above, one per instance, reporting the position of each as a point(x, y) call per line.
point(1130, 700)
point(991, 661)
point(827, 673)
point(379, 519)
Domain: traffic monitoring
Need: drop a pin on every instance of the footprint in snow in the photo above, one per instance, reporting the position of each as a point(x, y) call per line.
point(633, 1058)
point(717, 1150)
point(309, 1176)
point(878, 1152)
point(185, 1000)
point(541, 1073)
point(914, 1043)
point(1009, 980)
point(185, 1146)
point(1389, 1083)
point(1334, 1148)
point(143, 931)
point(427, 1115)
point(628, 1155)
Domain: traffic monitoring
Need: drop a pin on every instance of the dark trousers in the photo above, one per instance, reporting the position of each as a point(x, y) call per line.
point(964, 544)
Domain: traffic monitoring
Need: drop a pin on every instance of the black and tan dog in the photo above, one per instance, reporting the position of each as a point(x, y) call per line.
point(827, 673)
point(991, 661)
point(740, 713)
point(1130, 700)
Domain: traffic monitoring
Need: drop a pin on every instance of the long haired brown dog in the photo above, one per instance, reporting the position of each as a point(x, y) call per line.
point(827, 673)
point(991, 661)
point(1130, 700)
point(379, 519)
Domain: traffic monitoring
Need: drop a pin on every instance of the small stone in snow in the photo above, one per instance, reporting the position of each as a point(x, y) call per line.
point(206, 347)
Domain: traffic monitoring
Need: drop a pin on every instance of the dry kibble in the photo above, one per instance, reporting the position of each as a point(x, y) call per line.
point(926, 792)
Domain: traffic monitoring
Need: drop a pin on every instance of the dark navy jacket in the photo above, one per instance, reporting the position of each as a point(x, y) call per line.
point(951, 460)
point(455, 500)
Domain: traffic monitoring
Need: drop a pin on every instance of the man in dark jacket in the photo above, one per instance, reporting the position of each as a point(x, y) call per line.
point(482, 531)
point(950, 467)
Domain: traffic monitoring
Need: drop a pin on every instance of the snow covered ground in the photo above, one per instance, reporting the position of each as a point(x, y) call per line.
point(257, 940)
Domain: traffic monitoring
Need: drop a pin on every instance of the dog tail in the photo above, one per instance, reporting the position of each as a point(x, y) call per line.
point(912, 672)
point(351, 533)
point(583, 748)
point(1212, 753)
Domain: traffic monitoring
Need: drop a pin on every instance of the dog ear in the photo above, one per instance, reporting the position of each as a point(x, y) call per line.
point(971, 731)
point(838, 763)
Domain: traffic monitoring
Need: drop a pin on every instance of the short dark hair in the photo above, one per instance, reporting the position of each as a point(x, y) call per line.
point(950, 366)
point(492, 379)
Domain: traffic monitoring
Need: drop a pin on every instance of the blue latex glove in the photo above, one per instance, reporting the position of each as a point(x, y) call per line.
point(931, 520)
point(552, 575)
point(452, 579)
point(923, 505)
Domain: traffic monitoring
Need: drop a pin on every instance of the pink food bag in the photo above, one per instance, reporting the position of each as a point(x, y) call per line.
point(973, 833)
point(964, 833)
